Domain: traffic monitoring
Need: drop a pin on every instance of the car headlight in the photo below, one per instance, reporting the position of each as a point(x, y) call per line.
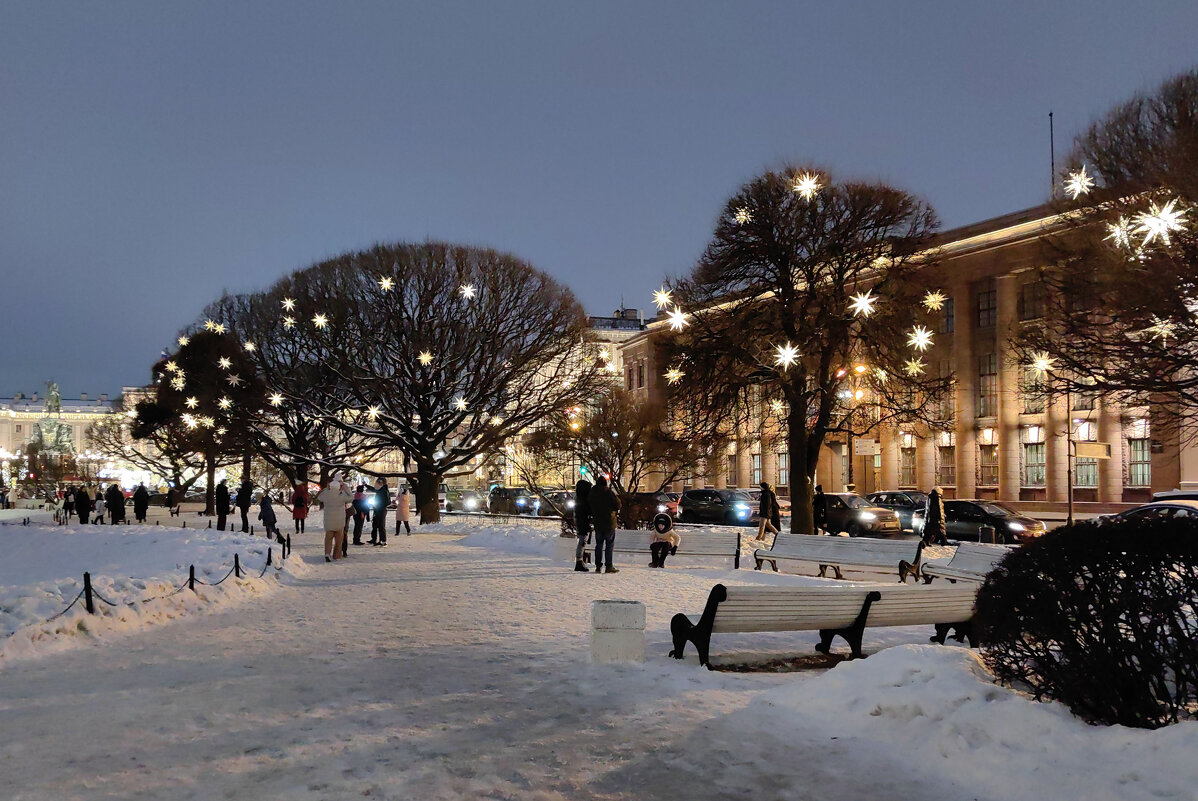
point(569, 504)
point(1016, 526)
point(520, 501)
point(661, 507)
point(868, 516)
point(470, 503)
point(536, 504)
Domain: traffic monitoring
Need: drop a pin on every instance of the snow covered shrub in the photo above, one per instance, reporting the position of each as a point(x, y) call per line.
point(1100, 618)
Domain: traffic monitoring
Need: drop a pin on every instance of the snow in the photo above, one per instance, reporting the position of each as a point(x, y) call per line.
point(455, 664)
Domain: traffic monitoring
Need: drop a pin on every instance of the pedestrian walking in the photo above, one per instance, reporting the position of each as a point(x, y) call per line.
point(299, 506)
point(379, 503)
point(68, 506)
point(819, 509)
point(934, 527)
point(83, 504)
point(141, 503)
point(245, 499)
point(222, 505)
point(98, 508)
point(266, 513)
point(604, 508)
point(403, 510)
point(173, 498)
point(335, 497)
point(769, 512)
point(360, 509)
point(114, 502)
point(582, 521)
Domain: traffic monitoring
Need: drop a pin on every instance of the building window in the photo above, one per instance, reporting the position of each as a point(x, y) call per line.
point(946, 459)
point(17, 428)
point(1032, 393)
point(987, 308)
point(756, 461)
point(730, 478)
point(1035, 459)
point(1139, 463)
point(947, 317)
point(1031, 301)
point(640, 375)
point(1083, 401)
point(987, 385)
point(988, 465)
point(783, 469)
point(907, 467)
point(1085, 471)
point(630, 378)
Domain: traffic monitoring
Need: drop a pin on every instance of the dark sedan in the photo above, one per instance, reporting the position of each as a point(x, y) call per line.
point(726, 506)
point(904, 503)
point(853, 515)
point(964, 521)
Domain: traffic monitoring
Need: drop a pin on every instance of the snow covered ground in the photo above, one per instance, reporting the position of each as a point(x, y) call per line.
point(445, 668)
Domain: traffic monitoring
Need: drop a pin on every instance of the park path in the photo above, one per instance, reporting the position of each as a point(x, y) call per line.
point(425, 670)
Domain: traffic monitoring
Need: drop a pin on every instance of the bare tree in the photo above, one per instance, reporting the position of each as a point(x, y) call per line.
point(806, 296)
point(112, 437)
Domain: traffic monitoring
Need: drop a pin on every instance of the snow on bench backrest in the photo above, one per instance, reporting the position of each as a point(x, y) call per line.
point(808, 608)
point(980, 559)
point(841, 550)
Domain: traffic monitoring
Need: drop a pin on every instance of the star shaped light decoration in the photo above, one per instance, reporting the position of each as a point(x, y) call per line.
point(234, 380)
point(210, 324)
point(934, 300)
point(920, 338)
point(674, 375)
point(276, 399)
point(1162, 328)
point(425, 358)
point(191, 403)
point(913, 367)
point(1078, 183)
point(661, 298)
point(880, 375)
point(386, 283)
point(320, 321)
point(805, 185)
point(777, 407)
point(183, 341)
point(372, 412)
point(467, 291)
point(863, 303)
point(1120, 232)
point(1158, 221)
point(224, 362)
point(225, 402)
point(289, 322)
point(207, 421)
point(249, 346)
point(1042, 363)
point(677, 319)
point(288, 304)
point(177, 383)
point(460, 403)
point(742, 216)
point(171, 366)
point(786, 356)
point(220, 328)
point(189, 420)
point(605, 354)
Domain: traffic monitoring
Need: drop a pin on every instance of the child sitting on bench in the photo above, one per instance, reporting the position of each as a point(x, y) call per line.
point(663, 543)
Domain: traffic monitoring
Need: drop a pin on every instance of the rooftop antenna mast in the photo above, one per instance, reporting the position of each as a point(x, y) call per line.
point(1052, 156)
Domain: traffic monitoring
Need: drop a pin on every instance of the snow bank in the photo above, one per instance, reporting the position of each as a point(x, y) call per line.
point(43, 572)
point(941, 706)
point(507, 537)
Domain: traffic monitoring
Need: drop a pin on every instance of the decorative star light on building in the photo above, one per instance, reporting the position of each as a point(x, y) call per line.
point(1078, 183)
point(674, 375)
point(743, 215)
point(224, 362)
point(1158, 221)
point(276, 399)
point(677, 319)
point(1042, 363)
point(661, 298)
point(288, 304)
point(425, 358)
point(183, 341)
point(191, 403)
point(386, 283)
point(1162, 328)
point(934, 300)
point(786, 355)
point(467, 291)
point(288, 322)
point(920, 338)
point(805, 185)
point(320, 321)
point(1120, 232)
point(249, 346)
point(863, 303)
point(913, 367)
point(233, 379)
point(225, 402)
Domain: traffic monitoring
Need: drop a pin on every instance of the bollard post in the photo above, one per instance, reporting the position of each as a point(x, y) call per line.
point(158, 522)
point(251, 531)
point(237, 565)
point(184, 524)
point(191, 578)
point(87, 594)
point(209, 524)
point(287, 550)
point(268, 552)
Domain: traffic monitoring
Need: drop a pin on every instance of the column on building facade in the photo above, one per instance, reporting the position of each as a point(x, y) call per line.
point(965, 367)
point(1110, 471)
point(769, 462)
point(720, 464)
point(1007, 296)
point(925, 459)
point(744, 462)
point(1056, 447)
point(888, 441)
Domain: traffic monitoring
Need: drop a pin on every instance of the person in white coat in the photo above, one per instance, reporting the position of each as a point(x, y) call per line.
point(403, 511)
point(334, 498)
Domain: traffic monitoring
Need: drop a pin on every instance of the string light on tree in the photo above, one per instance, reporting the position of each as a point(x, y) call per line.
point(1079, 183)
point(674, 375)
point(920, 338)
point(1162, 328)
point(863, 303)
point(288, 322)
point(288, 304)
point(220, 328)
point(913, 367)
point(1042, 363)
point(171, 367)
point(880, 375)
point(249, 346)
point(189, 420)
point(372, 412)
point(425, 358)
point(210, 324)
point(467, 291)
point(386, 282)
point(183, 341)
point(1120, 232)
point(177, 383)
point(276, 399)
point(1159, 221)
point(191, 403)
point(777, 407)
point(805, 185)
point(234, 380)
point(934, 300)
point(677, 319)
point(224, 362)
point(661, 298)
point(225, 402)
point(320, 321)
point(460, 403)
point(786, 356)
point(743, 216)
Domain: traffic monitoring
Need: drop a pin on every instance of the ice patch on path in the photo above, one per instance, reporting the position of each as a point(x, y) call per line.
point(43, 572)
point(941, 705)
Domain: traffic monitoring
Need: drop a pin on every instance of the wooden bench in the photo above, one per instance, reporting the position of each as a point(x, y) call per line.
point(843, 611)
point(707, 544)
point(889, 556)
point(971, 562)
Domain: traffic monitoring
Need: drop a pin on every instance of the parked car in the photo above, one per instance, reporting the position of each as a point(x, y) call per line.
point(851, 514)
point(511, 501)
point(639, 509)
point(464, 500)
point(730, 507)
point(556, 503)
point(902, 502)
point(1157, 510)
point(1175, 495)
point(674, 497)
point(964, 519)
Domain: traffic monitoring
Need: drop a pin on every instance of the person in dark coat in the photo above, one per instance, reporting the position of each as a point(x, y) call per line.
point(68, 503)
point(266, 513)
point(769, 513)
point(114, 502)
point(582, 521)
point(604, 508)
point(83, 505)
point(222, 505)
point(172, 500)
point(245, 499)
point(934, 528)
point(819, 509)
point(141, 502)
point(378, 523)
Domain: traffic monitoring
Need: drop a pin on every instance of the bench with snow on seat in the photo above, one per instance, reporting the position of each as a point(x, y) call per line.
point(859, 553)
point(724, 544)
point(971, 562)
point(844, 611)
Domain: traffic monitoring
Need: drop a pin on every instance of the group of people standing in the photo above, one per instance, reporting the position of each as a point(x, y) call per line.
point(91, 505)
point(343, 507)
point(596, 509)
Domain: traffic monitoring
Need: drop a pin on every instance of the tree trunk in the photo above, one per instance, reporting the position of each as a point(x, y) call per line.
point(427, 483)
point(802, 517)
point(246, 458)
point(210, 490)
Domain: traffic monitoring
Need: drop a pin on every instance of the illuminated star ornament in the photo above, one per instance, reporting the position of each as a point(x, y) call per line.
point(863, 303)
point(189, 420)
point(1162, 328)
point(1120, 232)
point(787, 355)
point(249, 346)
point(224, 362)
point(288, 304)
point(192, 403)
point(385, 283)
point(1042, 363)
point(467, 291)
point(1078, 183)
point(276, 399)
point(288, 322)
point(777, 406)
point(1158, 221)
point(880, 375)
point(177, 383)
point(320, 321)
point(210, 325)
point(220, 328)
point(934, 300)
point(742, 216)
point(661, 298)
point(920, 338)
point(372, 412)
point(805, 185)
point(224, 403)
point(674, 375)
point(425, 358)
point(460, 403)
point(913, 367)
point(184, 340)
point(234, 380)
point(171, 367)
point(677, 319)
